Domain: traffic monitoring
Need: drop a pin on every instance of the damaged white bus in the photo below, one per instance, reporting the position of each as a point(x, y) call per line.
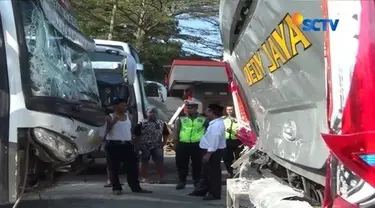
point(50, 108)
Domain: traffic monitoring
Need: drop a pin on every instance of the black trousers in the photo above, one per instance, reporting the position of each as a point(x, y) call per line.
point(212, 178)
point(232, 153)
point(184, 153)
point(122, 152)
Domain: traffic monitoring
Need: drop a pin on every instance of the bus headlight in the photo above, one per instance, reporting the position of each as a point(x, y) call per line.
point(55, 144)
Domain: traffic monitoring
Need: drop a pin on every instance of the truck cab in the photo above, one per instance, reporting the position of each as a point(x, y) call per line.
point(111, 68)
point(139, 83)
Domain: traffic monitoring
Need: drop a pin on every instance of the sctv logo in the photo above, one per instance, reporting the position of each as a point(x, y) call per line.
point(314, 24)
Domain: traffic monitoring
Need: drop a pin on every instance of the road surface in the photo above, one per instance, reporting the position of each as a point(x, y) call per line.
point(73, 192)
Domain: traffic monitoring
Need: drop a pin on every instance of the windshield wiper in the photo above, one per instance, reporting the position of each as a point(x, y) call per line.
point(92, 95)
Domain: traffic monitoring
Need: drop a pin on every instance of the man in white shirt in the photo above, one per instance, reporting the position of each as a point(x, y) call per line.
point(212, 144)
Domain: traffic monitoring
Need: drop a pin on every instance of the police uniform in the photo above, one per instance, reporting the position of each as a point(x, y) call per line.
point(233, 150)
point(189, 131)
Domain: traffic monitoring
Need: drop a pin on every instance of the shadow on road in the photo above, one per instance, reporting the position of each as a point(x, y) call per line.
point(73, 191)
point(92, 195)
point(97, 173)
point(113, 203)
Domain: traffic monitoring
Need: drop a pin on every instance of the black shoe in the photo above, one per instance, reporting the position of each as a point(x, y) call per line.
point(195, 193)
point(211, 197)
point(117, 192)
point(180, 185)
point(196, 184)
point(109, 185)
point(143, 191)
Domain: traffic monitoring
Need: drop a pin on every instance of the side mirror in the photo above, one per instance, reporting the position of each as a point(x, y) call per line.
point(129, 71)
point(162, 90)
point(140, 67)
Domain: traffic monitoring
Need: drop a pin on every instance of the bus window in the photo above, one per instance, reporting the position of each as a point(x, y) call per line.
point(58, 67)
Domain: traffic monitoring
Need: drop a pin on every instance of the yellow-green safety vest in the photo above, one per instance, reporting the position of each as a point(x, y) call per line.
point(192, 130)
point(231, 128)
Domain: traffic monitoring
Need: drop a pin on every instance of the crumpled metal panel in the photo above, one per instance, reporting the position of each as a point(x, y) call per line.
point(269, 193)
point(290, 102)
point(291, 204)
point(227, 9)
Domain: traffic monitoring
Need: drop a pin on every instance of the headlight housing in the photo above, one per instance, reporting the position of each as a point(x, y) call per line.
point(56, 144)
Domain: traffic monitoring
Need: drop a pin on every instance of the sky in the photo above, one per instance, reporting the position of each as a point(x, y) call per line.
point(199, 25)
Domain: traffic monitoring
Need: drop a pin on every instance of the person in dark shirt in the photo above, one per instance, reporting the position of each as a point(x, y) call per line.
point(152, 135)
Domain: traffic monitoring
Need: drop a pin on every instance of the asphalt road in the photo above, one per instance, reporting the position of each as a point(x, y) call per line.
point(88, 192)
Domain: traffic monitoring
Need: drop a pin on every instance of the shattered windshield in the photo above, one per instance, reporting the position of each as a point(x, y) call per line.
point(58, 67)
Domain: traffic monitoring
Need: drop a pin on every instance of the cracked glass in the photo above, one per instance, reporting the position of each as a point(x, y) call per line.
point(58, 67)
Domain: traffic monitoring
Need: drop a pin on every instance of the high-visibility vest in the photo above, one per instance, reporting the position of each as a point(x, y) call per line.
point(231, 128)
point(192, 130)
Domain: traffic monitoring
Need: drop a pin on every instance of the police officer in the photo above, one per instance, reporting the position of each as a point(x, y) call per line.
point(188, 132)
point(233, 149)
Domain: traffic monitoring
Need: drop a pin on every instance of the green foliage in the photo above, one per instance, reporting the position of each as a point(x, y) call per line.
point(152, 26)
point(156, 56)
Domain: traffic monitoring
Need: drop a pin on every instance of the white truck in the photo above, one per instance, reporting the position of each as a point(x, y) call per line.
point(139, 81)
point(115, 74)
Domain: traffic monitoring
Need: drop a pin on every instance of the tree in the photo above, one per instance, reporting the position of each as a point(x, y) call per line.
point(199, 38)
point(152, 26)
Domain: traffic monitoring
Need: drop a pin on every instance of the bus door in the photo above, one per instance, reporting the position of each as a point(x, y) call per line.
point(4, 120)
